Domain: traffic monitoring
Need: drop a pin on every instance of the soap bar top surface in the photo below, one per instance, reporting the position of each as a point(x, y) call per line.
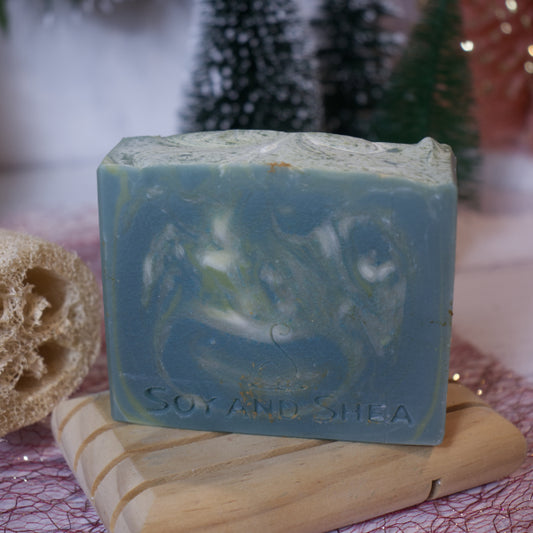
point(343, 156)
point(294, 284)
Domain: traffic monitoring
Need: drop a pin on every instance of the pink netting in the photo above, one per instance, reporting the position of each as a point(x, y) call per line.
point(39, 493)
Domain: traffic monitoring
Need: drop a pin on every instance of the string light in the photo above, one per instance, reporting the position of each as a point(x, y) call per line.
point(506, 28)
point(511, 5)
point(528, 65)
point(467, 46)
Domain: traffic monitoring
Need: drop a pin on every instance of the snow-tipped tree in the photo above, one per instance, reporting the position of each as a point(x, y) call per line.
point(252, 70)
point(353, 55)
point(430, 94)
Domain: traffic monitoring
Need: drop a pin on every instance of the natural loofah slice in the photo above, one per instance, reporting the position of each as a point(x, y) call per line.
point(50, 315)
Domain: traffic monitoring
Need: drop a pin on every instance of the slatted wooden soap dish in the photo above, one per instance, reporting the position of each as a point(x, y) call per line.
point(150, 479)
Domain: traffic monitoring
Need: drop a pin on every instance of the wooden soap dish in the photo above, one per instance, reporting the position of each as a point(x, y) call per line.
point(150, 479)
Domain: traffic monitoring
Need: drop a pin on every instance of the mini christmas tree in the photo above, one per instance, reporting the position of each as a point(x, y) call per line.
point(429, 93)
point(3, 16)
point(353, 54)
point(253, 72)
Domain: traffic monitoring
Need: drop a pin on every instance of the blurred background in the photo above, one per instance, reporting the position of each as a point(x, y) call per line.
point(74, 79)
point(78, 75)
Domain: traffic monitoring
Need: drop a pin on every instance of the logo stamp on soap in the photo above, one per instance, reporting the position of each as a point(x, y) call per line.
point(321, 410)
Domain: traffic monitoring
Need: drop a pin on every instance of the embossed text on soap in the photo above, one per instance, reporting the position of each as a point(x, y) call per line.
point(320, 410)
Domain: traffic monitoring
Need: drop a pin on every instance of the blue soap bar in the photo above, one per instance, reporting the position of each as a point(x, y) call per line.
point(295, 284)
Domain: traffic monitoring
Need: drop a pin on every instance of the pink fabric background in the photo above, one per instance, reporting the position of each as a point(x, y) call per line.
point(38, 492)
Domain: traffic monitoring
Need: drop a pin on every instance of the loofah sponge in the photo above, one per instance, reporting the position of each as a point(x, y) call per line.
point(50, 316)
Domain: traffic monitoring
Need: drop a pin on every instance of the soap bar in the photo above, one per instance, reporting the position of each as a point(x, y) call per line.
point(290, 284)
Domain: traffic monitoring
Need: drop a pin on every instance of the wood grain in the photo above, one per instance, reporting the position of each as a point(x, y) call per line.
point(150, 479)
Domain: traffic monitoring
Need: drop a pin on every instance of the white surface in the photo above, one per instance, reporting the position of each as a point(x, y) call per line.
point(494, 310)
point(73, 83)
point(65, 188)
point(493, 306)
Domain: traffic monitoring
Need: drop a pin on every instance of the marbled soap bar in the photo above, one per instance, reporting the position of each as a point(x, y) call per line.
point(295, 284)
